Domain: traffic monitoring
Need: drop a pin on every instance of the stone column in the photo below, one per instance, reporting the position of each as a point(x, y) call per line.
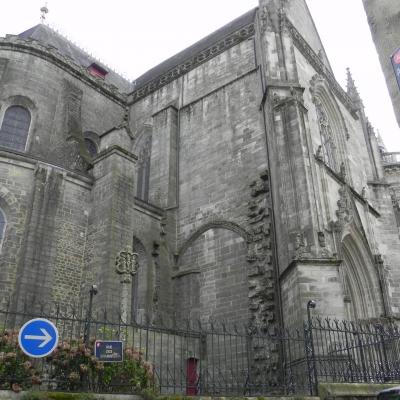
point(126, 265)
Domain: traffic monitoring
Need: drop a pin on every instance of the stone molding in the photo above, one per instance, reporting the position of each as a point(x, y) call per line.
point(52, 55)
point(193, 62)
point(31, 162)
point(115, 150)
point(318, 262)
point(232, 226)
point(320, 67)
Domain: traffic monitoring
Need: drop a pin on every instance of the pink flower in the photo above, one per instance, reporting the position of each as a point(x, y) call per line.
point(27, 365)
point(16, 388)
point(73, 376)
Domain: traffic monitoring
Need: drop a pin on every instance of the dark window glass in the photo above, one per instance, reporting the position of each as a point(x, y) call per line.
point(15, 128)
point(143, 176)
point(2, 225)
point(91, 147)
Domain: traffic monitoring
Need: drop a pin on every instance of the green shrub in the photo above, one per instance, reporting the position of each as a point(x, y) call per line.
point(56, 396)
point(74, 367)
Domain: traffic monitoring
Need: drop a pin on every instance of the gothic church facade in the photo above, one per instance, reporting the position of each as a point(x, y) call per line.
point(241, 173)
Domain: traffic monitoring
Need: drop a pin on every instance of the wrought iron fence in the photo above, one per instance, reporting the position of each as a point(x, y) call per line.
point(365, 351)
point(194, 358)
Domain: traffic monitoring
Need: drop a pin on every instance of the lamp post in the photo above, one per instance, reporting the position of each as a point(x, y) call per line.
point(312, 363)
point(126, 265)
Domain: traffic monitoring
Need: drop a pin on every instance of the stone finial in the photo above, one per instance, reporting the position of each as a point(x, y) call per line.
point(352, 90)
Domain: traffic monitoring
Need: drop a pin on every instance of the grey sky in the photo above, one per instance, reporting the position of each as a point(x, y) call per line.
point(135, 35)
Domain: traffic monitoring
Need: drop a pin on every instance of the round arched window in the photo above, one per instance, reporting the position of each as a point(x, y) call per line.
point(91, 147)
point(15, 127)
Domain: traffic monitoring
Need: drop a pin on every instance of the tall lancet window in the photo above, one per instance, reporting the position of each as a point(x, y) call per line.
point(327, 141)
point(15, 127)
point(143, 175)
point(3, 224)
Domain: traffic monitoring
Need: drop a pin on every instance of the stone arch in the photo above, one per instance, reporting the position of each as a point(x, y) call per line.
point(362, 290)
point(212, 280)
point(232, 226)
point(327, 105)
point(28, 104)
point(92, 143)
point(141, 283)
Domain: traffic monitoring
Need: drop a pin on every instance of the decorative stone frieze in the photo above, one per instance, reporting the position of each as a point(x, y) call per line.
point(193, 62)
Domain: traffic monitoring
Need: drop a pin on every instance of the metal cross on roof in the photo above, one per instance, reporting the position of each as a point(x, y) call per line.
point(44, 10)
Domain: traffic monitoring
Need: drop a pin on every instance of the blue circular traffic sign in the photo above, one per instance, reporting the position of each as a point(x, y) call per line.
point(38, 337)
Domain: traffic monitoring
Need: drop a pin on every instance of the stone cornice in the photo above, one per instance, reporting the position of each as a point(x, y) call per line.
point(153, 209)
point(193, 62)
point(115, 149)
point(52, 55)
point(321, 68)
point(29, 161)
point(318, 262)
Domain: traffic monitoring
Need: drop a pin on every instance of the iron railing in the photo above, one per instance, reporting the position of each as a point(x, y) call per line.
point(390, 158)
point(197, 358)
point(364, 351)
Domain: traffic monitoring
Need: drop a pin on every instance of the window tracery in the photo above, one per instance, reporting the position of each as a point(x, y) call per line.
point(328, 148)
point(143, 175)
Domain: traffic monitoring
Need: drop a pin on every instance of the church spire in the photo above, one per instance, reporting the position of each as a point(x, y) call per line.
point(352, 90)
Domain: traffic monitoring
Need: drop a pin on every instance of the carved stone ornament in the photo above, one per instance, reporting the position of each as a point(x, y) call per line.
point(300, 246)
point(344, 211)
point(325, 250)
point(126, 264)
point(318, 154)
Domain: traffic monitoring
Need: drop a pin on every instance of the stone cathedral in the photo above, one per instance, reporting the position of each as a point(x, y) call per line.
point(244, 177)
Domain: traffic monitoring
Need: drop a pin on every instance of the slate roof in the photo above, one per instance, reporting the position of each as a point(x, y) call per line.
point(47, 36)
point(196, 48)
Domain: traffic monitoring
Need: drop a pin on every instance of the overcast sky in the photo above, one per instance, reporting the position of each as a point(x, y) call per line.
point(134, 35)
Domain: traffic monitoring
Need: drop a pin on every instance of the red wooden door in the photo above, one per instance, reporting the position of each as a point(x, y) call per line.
point(191, 376)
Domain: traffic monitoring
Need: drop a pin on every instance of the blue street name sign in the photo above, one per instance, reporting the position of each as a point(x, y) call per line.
point(396, 64)
point(109, 350)
point(38, 337)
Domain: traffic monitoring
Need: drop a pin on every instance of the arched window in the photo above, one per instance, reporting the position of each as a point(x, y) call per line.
point(143, 175)
point(91, 147)
point(327, 141)
point(3, 224)
point(15, 127)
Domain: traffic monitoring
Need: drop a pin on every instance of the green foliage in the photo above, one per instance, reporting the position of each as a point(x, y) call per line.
point(76, 368)
point(73, 367)
point(16, 370)
point(56, 396)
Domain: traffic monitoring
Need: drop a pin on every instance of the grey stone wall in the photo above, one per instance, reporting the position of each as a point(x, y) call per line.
point(56, 100)
point(212, 280)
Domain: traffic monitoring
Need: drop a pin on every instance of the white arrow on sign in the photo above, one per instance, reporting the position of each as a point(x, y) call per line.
point(46, 338)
